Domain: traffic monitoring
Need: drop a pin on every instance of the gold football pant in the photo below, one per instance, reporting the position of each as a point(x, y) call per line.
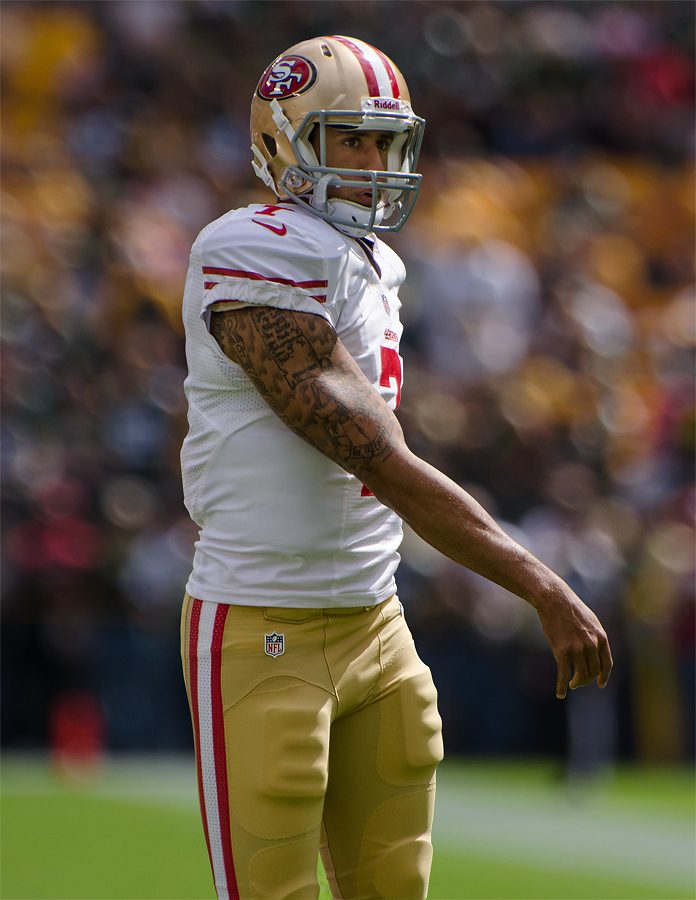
point(313, 729)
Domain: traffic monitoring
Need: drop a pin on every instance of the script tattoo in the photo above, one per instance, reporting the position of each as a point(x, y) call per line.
point(289, 347)
point(306, 376)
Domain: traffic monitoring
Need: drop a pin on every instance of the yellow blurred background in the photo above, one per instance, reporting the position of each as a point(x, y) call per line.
point(549, 349)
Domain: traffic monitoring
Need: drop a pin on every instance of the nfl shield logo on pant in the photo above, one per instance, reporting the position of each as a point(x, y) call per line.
point(275, 644)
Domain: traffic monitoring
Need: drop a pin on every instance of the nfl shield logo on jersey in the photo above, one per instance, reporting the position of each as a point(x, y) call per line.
point(275, 644)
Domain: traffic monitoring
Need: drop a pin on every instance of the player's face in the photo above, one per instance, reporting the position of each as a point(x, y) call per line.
point(348, 149)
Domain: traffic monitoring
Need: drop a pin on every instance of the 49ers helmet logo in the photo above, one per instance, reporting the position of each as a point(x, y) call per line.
point(287, 77)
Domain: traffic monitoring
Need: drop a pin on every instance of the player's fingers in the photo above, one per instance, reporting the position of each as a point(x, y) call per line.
point(581, 673)
point(562, 677)
point(606, 662)
point(592, 662)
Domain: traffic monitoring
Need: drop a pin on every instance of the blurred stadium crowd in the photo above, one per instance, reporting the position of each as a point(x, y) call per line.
point(549, 347)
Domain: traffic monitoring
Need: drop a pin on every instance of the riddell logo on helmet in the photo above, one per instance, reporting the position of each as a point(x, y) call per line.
point(385, 103)
point(287, 77)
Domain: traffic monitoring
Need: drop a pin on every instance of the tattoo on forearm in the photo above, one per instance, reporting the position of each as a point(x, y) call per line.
point(286, 355)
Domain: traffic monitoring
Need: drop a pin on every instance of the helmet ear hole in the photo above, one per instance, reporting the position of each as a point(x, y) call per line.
point(269, 143)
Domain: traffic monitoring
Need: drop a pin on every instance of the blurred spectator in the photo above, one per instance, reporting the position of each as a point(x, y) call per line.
point(549, 345)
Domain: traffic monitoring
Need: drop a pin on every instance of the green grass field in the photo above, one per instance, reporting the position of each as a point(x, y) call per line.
point(502, 831)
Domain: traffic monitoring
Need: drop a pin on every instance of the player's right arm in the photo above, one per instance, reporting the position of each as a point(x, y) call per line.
point(302, 370)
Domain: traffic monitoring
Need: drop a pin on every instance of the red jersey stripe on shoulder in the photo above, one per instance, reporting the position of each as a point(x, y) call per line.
point(255, 276)
point(223, 305)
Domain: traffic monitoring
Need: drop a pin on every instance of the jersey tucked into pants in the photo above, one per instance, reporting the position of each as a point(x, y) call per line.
point(315, 721)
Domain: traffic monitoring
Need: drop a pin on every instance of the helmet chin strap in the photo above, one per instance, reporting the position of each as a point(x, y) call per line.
point(319, 193)
point(355, 212)
point(346, 211)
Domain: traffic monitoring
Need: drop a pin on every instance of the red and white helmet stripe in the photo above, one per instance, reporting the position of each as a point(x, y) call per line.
point(378, 71)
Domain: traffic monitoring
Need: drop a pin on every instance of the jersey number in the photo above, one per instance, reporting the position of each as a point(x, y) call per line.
point(390, 376)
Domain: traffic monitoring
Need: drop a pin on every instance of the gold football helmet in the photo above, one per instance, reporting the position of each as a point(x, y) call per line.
point(336, 82)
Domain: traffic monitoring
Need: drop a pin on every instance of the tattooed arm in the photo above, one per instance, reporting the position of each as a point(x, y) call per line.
point(302, 370)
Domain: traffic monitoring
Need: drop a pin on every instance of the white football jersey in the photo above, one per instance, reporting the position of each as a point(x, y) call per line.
point(280, 524)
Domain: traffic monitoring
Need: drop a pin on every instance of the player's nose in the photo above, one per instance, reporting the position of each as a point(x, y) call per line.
point(373, 156)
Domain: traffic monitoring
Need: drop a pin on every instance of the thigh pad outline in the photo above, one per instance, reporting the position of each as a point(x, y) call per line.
point(278, 760)
point(410, 744)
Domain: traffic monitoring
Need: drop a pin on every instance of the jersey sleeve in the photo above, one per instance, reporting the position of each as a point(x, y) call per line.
point(247, 263)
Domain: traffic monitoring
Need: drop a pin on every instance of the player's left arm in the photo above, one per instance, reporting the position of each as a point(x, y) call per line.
point(301, 368)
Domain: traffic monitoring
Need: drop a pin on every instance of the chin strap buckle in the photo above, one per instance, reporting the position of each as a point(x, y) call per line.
point(281, 120)
point(260, 167)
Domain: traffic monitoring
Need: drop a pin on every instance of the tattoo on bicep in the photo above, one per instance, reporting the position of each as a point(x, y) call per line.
point(296, 354)
point(224, 328)
point(285, 355)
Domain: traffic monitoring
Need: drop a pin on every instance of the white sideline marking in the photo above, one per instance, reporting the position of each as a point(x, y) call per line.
point(555, 833)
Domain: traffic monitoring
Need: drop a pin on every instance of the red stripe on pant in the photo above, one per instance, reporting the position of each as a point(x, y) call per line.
point(212, 648)
point(193, 687)
point(219, 745)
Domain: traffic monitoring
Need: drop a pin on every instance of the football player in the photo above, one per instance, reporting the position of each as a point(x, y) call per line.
point(315, 721)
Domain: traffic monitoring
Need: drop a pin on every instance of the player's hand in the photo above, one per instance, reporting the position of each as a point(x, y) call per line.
point(578, 642)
